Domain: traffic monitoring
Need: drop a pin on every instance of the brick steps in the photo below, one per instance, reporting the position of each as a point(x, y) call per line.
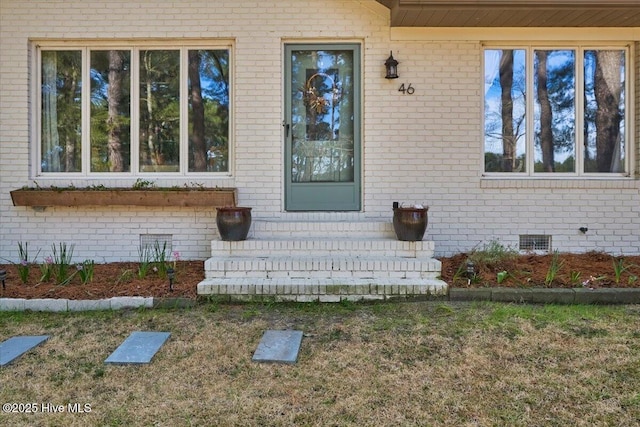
point(322, 267)
point(322, 290)
point(321, 261)
point(355, 247)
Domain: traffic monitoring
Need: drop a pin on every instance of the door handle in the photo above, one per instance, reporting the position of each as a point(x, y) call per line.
point(287, 126)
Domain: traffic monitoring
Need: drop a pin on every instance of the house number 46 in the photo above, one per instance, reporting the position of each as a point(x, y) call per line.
point(407, 90)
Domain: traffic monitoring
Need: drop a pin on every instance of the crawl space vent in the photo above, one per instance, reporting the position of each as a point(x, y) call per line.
point(535, 242)
point(161, 241)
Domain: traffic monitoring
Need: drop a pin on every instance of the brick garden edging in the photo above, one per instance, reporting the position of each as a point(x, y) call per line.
point(114, 303)
point(548, 295)
point(510, 295)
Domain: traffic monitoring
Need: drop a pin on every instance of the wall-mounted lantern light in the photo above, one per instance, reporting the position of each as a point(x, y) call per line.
point(392, 67)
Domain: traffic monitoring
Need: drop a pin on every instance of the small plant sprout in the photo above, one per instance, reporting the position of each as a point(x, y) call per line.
point(460, 273)
point(492, 253)
point(46, 269)
point(62, 256)
point(160, 258)
point(25, 264)
point(143, 184)
point(176, 258)
point(554, 268)
point(501, 276)
point(144, 257)
point(23, 270)
point(197, 185)
point(575, 277)
point(85, 271)
point(23, 267)
point(618, 269)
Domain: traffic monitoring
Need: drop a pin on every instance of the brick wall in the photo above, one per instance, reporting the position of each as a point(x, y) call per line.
point(425, 147)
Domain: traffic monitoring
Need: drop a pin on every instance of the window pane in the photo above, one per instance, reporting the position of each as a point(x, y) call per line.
point(323, 116)
point(604, 78)
point(61, 111)
point(504, 111)
point(208, 110)
point(110, 111)
point(159, 110)
point(554, 115)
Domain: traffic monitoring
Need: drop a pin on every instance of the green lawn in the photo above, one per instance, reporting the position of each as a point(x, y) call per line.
point(392, 364)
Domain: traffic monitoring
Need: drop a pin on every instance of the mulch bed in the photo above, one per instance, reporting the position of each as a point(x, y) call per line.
point(109, 280)
point(593, 270)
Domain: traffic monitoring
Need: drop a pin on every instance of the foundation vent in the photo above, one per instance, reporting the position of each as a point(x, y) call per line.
point(161, 241)
point(535, 242)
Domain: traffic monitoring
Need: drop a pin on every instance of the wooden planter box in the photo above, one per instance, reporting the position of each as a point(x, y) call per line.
point(213, 197)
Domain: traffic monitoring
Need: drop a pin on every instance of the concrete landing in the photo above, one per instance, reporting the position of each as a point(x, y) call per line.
point(138, 348)
point(279, 347)
point(15, 347)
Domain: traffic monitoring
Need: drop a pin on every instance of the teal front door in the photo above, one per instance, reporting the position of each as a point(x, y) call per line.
point(322, 127)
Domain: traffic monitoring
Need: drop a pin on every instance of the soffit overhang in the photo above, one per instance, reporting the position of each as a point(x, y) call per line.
point(514, 13)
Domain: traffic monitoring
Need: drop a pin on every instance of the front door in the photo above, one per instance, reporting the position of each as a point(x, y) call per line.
point(322, 127)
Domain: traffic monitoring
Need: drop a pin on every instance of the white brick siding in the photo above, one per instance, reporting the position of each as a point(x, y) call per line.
point(425, 147)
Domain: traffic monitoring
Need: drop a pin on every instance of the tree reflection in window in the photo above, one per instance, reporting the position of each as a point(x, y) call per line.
point(322, 117)
point(557, 142)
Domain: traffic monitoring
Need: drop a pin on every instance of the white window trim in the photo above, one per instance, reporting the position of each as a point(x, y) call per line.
point(85, 47)
point(579, 174)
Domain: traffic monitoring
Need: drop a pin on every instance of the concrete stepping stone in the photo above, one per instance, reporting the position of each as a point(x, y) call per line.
point(279, 347)
point(138, 348)
point(15, 347)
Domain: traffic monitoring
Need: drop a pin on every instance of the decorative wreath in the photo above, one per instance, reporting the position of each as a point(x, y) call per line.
point(315, 100)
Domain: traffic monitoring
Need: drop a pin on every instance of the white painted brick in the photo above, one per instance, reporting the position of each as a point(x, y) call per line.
point(419, 148)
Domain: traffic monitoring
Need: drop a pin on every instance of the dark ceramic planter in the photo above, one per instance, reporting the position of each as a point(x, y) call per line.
point(410, 223)
point(233, 223)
